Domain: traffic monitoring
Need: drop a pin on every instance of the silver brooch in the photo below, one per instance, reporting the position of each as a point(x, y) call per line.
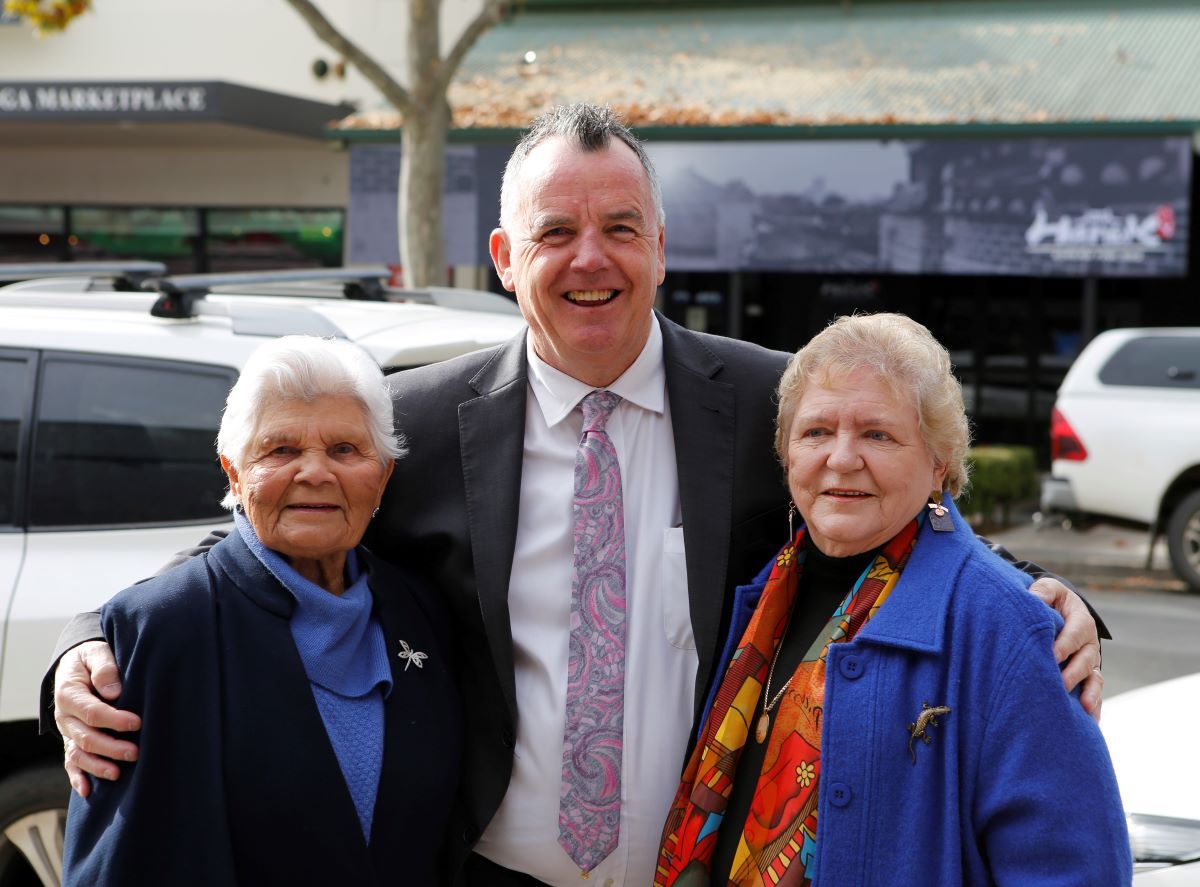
point(412, 657)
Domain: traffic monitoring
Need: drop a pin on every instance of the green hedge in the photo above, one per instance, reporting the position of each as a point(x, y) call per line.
point(999, 476)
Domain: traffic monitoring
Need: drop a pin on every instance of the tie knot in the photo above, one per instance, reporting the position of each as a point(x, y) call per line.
point(597, 407)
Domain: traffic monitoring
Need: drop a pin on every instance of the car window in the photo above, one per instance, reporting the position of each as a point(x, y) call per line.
point(1155, 361)
point(14, 400)
point(126, 442)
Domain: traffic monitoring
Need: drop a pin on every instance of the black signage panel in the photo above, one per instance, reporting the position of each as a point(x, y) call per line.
point(165, 102)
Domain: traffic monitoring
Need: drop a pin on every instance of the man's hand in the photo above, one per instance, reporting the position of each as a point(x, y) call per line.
point(81, 716)
point(1078, 644)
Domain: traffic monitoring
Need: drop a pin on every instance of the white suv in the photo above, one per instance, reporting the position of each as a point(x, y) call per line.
point(108, 418)
point(1125, 438)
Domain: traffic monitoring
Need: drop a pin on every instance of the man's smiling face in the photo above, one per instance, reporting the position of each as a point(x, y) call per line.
point(582, 248)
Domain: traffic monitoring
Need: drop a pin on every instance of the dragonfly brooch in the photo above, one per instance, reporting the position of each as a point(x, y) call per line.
point(412, 657)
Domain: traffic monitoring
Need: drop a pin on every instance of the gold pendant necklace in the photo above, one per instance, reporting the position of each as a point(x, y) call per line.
point(764, 720)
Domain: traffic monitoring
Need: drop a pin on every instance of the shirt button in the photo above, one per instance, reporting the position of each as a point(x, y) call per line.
point(851, 667)
point(839, 794)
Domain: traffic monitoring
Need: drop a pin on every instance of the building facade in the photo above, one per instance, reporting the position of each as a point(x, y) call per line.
point(195, 137)
point(1017, 176)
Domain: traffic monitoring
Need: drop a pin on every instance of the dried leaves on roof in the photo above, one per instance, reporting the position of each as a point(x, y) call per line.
point(823, 65)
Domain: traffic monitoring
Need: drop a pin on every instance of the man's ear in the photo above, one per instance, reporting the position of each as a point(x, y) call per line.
point(499, 248)
point(662, 254)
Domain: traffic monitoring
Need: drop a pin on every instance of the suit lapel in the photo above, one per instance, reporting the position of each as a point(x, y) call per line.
point(491, 432)
point(702, 418)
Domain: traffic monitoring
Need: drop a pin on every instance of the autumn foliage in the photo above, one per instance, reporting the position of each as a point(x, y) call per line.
point(52, 16)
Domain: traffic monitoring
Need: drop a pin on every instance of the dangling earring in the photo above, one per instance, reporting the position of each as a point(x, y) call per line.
point(939, 515)
point(791, 516)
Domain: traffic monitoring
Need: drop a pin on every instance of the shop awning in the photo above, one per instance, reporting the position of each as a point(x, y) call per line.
point(835, 67)
point(213, 112)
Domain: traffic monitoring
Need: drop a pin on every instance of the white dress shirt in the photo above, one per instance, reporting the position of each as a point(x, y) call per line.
point(660, 650)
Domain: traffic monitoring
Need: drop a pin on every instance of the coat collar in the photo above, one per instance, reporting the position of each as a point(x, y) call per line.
point(915, 615)
point(248, 573)
point(505, 367)
point(256, 582)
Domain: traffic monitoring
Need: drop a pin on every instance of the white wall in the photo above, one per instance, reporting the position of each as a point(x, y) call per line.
point(261, 43)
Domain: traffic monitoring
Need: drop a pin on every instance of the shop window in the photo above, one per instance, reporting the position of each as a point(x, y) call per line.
point(31, 234)
point(126, 442)
point(248, 239)
point(14, 385)
point(164, 234)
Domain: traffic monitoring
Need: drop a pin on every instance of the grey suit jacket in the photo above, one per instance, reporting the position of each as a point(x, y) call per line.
point(451, 512)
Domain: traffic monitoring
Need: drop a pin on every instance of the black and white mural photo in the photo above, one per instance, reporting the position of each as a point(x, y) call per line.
point(1074, 207)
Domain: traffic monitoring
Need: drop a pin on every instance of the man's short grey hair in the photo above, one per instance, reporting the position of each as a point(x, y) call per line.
point(587, 127)
point(305, 368)
point(908, 359)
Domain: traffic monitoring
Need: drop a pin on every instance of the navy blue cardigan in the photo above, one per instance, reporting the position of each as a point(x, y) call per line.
point(237, 782)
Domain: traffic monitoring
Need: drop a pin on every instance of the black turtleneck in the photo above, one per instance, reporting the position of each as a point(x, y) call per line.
point(823, 583)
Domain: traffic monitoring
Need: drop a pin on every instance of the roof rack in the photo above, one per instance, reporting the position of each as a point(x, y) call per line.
point(178, 294)
point(125, 276)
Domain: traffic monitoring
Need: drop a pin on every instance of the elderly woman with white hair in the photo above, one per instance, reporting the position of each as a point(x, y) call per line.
point(328, 742)
point(907, 724)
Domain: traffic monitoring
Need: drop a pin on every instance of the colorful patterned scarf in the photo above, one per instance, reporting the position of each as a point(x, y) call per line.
point(778, 842)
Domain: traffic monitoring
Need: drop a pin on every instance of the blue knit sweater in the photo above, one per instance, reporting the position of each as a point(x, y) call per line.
point(345, 657)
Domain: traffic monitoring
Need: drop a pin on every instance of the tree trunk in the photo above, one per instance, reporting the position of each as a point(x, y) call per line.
point(422, 145)
point(426, 119)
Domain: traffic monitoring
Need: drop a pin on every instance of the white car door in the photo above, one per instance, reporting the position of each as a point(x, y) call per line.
point(17, 369)
point(122, 474)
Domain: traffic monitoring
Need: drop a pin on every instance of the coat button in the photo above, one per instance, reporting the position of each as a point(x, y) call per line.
point(839, 794)
point(851, 667)
point(469, 836)
point(506, 738)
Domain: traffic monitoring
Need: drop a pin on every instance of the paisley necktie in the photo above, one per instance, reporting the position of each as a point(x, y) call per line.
point(589, 814)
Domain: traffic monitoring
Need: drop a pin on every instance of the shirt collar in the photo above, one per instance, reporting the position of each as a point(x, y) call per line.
point(644, 384)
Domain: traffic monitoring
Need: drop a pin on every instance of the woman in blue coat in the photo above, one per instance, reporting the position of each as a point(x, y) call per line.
point(328, 742)
point(921, 733)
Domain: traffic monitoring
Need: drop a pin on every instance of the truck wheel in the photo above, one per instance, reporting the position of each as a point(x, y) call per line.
point(33, 813)
point(1183, 539)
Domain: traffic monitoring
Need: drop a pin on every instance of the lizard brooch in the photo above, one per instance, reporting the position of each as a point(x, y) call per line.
point(925, 720)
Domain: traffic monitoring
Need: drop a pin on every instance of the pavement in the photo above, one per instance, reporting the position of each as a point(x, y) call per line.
point(1097, 556)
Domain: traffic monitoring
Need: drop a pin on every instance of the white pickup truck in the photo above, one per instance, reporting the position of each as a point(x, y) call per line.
point(1125, 438)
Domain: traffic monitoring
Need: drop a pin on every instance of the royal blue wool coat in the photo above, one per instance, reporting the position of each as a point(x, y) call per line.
point(237, 782)
point(1015, 786)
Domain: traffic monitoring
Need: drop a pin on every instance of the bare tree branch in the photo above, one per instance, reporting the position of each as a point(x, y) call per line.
point(392, 90)
point(488, 16)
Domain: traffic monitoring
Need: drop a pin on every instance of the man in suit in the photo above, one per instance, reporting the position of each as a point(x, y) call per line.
point(483, 505)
